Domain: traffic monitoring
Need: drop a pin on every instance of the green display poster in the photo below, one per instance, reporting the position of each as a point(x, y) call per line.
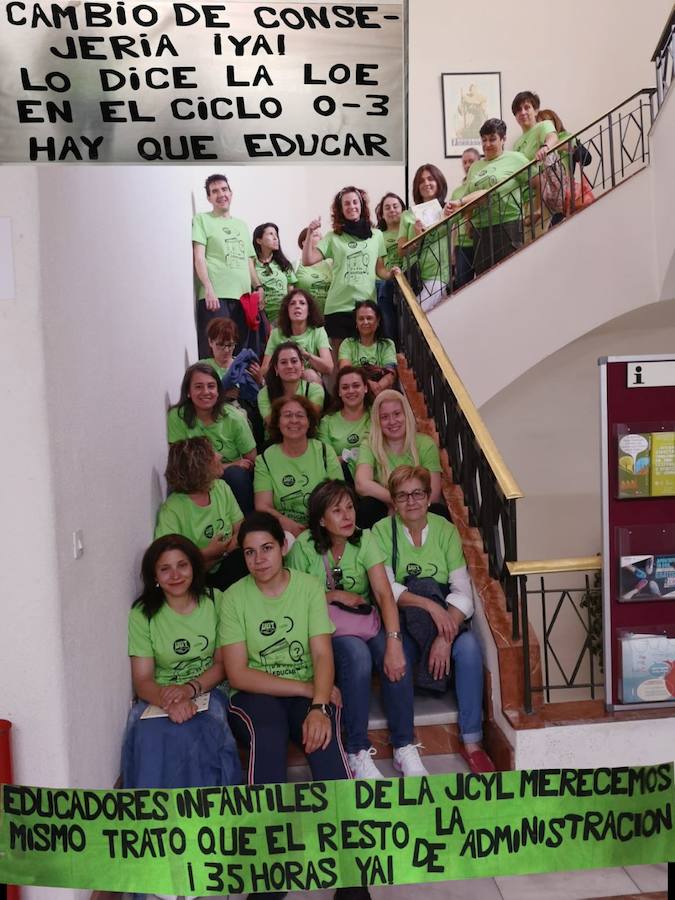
point(331, 834)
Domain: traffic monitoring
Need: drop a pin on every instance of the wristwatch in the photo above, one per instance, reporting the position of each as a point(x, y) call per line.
point(322, 707)
point(395, 634)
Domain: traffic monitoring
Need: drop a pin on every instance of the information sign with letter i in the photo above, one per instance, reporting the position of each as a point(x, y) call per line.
point(637, 396)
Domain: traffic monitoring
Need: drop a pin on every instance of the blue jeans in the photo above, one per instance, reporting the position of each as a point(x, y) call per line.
point(241, 482)
point(467, 671)
point(354, 660)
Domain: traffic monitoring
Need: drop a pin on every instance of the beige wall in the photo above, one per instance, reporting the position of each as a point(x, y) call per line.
point(582, 58)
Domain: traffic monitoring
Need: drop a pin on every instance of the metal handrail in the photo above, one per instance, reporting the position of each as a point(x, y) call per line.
point(666, 34)
point(551, 566)
point(409, 245)
point(507, 482)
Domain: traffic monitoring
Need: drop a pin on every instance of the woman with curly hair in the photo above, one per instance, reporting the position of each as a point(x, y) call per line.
point(285, 379)
point(172, 640)
point(202, 508)
point(203, 411)
point(433, 261)
point(358, 255)
point(287, 472)
point(273, 269)
point(393, 441)
point(301, 321)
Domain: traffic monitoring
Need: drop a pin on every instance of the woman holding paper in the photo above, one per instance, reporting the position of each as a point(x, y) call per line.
point(172, 640)
point(429, 190)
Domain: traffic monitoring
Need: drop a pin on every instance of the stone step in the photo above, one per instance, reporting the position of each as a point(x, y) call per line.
point(436, 764)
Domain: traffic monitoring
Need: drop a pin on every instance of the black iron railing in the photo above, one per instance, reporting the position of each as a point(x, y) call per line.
point(537, 196)
point(490, 491)
point(664, 60)
point(568, 618)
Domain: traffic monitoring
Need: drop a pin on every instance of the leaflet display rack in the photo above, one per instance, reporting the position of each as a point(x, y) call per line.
point(638, 513)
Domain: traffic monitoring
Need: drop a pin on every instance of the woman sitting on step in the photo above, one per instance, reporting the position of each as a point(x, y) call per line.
point(284, 378)
point(301, 322)
point(203, 411)
point(350, 563)
point(369, 349)
point(430, 582)
point(172, 641)
point(393, 441)
point(202, 508)
point(347, 423)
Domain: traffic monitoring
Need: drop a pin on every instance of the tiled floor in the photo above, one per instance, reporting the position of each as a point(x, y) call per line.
point(633, 881)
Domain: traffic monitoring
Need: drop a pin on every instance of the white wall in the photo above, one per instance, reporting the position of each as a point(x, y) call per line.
point(662, 139)
point(32, 668)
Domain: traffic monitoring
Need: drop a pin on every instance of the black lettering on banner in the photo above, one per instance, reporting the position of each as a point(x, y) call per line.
point(31, 111)
point(172, 148)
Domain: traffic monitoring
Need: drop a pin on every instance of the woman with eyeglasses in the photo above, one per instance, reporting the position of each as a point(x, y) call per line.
point(346, 426)
point(284, 379)
point(350, 563)
point(288, 471)
point(172, 643)
point(301, 322)
point(203, 411)
point(369, 349)
point(358, 256)
point(272, 268)
point(424, 559)
point(202, 508)
point(393, 441)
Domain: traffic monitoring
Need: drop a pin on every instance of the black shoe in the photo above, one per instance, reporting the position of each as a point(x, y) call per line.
point(352, 893)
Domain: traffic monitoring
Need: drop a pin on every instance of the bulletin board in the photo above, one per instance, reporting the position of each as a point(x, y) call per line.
point(638, 503)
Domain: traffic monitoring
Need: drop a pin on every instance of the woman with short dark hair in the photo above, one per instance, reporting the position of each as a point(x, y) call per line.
point(350, 564)
point(370, 349)
point(315, 279)
point(293, 465)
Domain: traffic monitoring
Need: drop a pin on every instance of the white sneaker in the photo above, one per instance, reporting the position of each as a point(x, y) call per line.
point(362, 764)
point(407, 760)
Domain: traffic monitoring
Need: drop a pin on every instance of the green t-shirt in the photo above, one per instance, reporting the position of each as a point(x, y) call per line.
point(228, 250)
point(462, 236)
point(440, 554)
point(293, 478)
point(484, 174)
point(214, 365)
point(276, 630)
point(311, 340)
point(314, 393)
point(434, 260)
point(182, 646)
point(276, 282)
point(230, 434)
point(426, 449)
point(530, 141)
point(380, 353)
point(181, 515)
point(393, 257)
point(354, 262)
point(344, 437)
point(315, 280)
point(356, 560)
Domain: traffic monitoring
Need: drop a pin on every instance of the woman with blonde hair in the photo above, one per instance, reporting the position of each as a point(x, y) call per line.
point(393, 441)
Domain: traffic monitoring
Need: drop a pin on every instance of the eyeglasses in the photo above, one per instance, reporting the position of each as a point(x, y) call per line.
point(336, 572)
point(225, 345)
point(404, 496)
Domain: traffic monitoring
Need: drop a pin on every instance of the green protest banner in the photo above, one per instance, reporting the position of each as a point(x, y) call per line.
point(330, 834)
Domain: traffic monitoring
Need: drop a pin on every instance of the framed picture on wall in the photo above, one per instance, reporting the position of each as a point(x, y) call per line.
point(469, 98)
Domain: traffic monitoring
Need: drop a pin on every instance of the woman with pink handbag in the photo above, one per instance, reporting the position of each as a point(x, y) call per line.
point(350, 562)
